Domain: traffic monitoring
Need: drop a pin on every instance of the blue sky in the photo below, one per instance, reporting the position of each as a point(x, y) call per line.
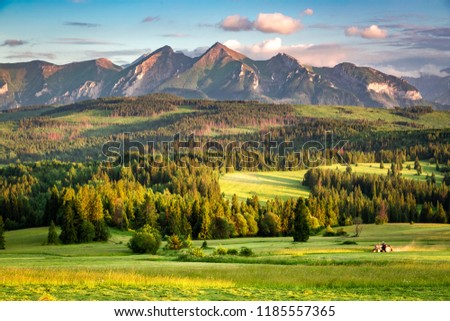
point(400, 37)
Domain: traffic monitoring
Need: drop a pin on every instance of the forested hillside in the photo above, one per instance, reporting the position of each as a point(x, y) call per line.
point(55, 168)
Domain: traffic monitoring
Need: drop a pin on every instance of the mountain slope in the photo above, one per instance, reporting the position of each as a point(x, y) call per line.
point(148, 73)
point(219, 73)
point(433, 88)
point(367, 87)
point(39, 82)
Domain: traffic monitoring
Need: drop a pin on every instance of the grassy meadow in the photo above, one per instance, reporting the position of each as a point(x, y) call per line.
point(288, 184)
point(324, 268)
point(266, 185)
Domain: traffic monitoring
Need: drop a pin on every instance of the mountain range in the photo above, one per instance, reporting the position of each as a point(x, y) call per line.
point(220, 73)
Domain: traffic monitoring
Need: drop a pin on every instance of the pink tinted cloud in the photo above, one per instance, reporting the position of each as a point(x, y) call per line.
point(308, 12)
point(277, 23)
point(236, 23)
point(372, 32)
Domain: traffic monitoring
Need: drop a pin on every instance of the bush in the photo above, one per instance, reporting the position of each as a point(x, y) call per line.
point(245, 251)
point(187, 242)
point(145, 240)
point(232, 252)
point(380, 220)
point(197, 252)
point(204, 245)
point(174, 242)
point(349, 243)
point(52, 237)
point(341, 232)
point(329, 231)
point(220, 251)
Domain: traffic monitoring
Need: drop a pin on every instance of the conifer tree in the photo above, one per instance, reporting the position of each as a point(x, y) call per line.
point(52, 237)
point(301, 222)
point(68, 229)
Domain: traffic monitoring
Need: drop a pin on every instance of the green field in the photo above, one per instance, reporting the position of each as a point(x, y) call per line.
point(288, 184)
point(321, 269)
point(266, 185)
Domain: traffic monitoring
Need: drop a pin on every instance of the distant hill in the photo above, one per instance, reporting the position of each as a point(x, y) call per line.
point(220, 73)
point(433, 88)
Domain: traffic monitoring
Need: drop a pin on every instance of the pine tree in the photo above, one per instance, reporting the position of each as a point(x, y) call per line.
point(2, 236)
point(52, 207)
point(426, 213)
point(205, 227)
point(68, 229)
point(102, 233)
point(52, 237)
point(301, 222)
point(440, 215)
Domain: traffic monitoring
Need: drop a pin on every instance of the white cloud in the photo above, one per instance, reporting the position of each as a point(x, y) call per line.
point(270, 45)
point(265, 22)
point(372, 32)
point(308, 12)
point(236, 23)
point(428, 69)
point(315, 55)
point(277, 23)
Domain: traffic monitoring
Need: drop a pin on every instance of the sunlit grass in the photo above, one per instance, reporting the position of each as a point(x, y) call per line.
point(288, 184)
point(321, 269)
point(267, 185)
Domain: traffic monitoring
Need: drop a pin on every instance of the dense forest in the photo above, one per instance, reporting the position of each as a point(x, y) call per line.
point(56, 172)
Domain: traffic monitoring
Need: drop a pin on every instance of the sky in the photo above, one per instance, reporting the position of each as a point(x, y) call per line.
point(400, 37)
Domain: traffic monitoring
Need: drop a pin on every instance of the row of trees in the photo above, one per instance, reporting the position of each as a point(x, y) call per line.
point(338, 197)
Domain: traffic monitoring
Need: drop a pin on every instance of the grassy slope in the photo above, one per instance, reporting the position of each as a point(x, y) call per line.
point(266, 185)
point(321, 269)
point(437, 119)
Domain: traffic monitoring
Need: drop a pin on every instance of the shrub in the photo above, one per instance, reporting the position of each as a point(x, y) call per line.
point(380, 220)
point(220, 251)
point(197, 252)
point(245, 251)
point(187, 242)
point(341, 232)
point(204, 245)
point(349, 243)
point(174, 242)
point(232, 252)
point(145, 240)
point(52, 237)
point(329, 231)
